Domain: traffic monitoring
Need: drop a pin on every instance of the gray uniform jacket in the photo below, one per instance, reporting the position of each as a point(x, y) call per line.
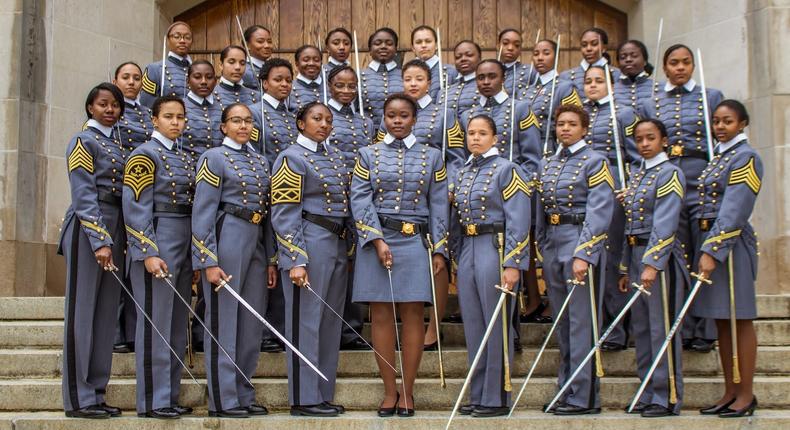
point(176, 69)
point(278, 125)
point(450, 74)
point(576, 74)
point(227, 93)
point(378, 82)
point(306, 91)
point(524, 76)
point(538, 97)
point(135, 125)
point(462, 94)
point(204, 117)
point(600, 135)
point(350, 131)
point(250, 78)
point(635, 93)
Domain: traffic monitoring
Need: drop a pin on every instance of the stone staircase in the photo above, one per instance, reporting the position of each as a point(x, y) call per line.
point(31, 331)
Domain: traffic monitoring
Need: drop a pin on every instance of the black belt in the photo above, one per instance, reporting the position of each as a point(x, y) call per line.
point(110, 198)
point(678, 150)
point(338, 229)
point(705, 224)
point(478, 229)
point(557, 219)
point(636, 240)
point(406, 228)
point(246, 214)
point(173, 208)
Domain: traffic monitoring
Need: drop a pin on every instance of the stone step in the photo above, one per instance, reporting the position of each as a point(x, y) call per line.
point(46, 363)
point(364, 420)
point(49, 333)
point(51, 308)
point(365, 393)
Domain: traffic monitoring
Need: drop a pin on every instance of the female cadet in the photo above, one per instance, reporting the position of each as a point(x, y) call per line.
point(492, 203)
point(135, 125)
point(424, 46)
point(398, 197)
point(93, 242)
point(727, 192)
point(229, 89)
point(600, 136)
point(260, 44)
point(179, 41)
point(593, 49)
point(338, 46)
point(509, 47)
point(309, 84)
point(678, 104)
point(204, 113)
point(635, 86)
point(309, 215)
point(463, 93)
point(231, 242)
point(278, 123)
point(654, 258)
point(382, 77)
point(157, 207)
point(574, 211)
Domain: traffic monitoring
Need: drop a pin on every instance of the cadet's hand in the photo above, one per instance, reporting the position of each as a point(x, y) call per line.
point(298, 276)
point(648, 276)
point(156, 266)
point(510, 278)
point(104, 257)
point(451, 197)
point(195, 277)
point(383, 252)
point(438, 264)
point(272, 277)
point(214, 275)
point(580, 269)
point(707, 264)
point(620, 194)
point(623, 283)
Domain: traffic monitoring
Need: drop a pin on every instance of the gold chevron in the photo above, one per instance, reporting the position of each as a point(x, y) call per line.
point(440, 174)
point(139, 174)
point(661, 245)
point(572, 99)
point(746, 175)
point(455, 136)
point(361, 172)
point(516, 184)
point(142, 237)
point(379, 136)
point(148, 85)
point(205, 174)
point(255, 134)
point(603, 175)
point(672, 186)
point(203, 250)
point(629, 130)
point(80, 157)
point(286, 185)
point(529, 121)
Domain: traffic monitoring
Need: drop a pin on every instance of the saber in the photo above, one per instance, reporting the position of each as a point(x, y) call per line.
point(310, 288)
point(673, 392)
point(700, 280)
point(594, 312)
point(226, 286)
point(397, 337)
point(640, 290)
point(658, 52)
point(205, 328)
point(190, 347)
point(532, 65)
point(551, 97)
point(436, 312)
point(543, 347)
point(164, 60)
point(736, 372)
point(615, 130)
point(323, 71)
point(480, 349)
point(705, 107)
point(442, 87)
point(513, 113)
point(148, 318)
point(249, 61)
point(508, 386)
point(359, 77)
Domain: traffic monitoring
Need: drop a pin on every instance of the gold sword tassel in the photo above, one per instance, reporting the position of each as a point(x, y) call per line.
point(673, 393)
point(594, 311)
point(736, 372)
point(505, 340)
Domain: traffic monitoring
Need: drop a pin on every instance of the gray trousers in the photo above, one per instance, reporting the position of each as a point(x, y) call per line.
point(689, 235)
point(613, 300)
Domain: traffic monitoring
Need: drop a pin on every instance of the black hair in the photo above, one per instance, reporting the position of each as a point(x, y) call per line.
point(124, 64)
point(493, 61)
point(418, 64)
point(674, 48)
point(602, 69)
point(302, 112)
point(274, 63)
point(303, 48)
point(552, 43)
point(337, 70)
point(199, 63)
point(424, 27)
point(487, 119)
point(507, 30)
point(604, 40)
point(737, 107)
point(157, 107)
point(337, 30)
point(403, 97)
point(252, 29)
point(94, 93)
point(471, 42)
point(649, 68)
point(584, 117)
point(387, 30)
point(662, 129)
point(226, 51)
point(228, 108)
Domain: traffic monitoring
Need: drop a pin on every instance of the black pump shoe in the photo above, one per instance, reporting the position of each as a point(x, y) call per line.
point(638, 408)
point(716, 409)
point(406, 412)
point(388, 412)
point(745, 412)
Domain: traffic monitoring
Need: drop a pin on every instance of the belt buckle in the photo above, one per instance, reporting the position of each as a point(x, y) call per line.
point(704, 225)
point(676, 150)
point(554, 219)
point(632, 240)
point(256, 218)
point(471, 229)
point(407, 228)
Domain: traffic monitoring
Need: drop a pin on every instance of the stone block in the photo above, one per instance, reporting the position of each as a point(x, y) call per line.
point(710, 12)
point(121, 51)
point(10, 6)
point(8, 194)
point(9, 124)
point(56, 272)
point(78, 13)
point(131, 21)
point(58, 197)
point(10, 46)
point(7, 260)
point(63, 125)
point(31, 308)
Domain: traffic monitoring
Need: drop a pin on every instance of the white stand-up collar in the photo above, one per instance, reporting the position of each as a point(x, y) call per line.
point(689, 86)
point(106, 131)
point(725, 146)
point(655, 161)
point(230, 143)
point(409, 140)
point(167, 143)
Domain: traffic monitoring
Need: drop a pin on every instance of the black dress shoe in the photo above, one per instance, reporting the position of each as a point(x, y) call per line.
point(239, 412)
point(182, 410)
point(431, 346)
point(454, 318)
point(534, 315)
point(745, 412)
point(355, 345)
point(271, 345)
point(517, 345)
point(575, 410)
point(490, 411)
point(339, 408)
point(256, 409)
point(543, 319)
point(161, 413)
point(554, 408)
point(123, 348)
point(611, 346)
point(319, 410)
point(388, 412)
point(94, 411)
point(656, 411)
point(198, 347)
point(112, 410)
point(466, 409)
point(407, 411)
point(716, 409)
point(701, 345)
point(638, 408)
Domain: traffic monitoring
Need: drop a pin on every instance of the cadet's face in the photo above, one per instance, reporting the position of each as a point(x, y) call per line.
point(339, 46)
point(261, 44)
point(344, 87)
point(416, 82)
point(278, 85)
point(466, 58)
point(595, 84)
point(543, 56)
point(423, 44)
point(105, 109)
point(399, 118)
point(382, 47)
point(309, 63)
point(591, 46)
point(511, 47)
point(130, 80)
point(631, 60)
point(238, 125)
point(234, 65)
point(649, 141)
point(171, 120)
point(317, 123)
point(726, 124)
point(179, 40)
point(479, 137)
point(202, 80)
point(489, 79)
point(679, 67)
point(569, 128)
